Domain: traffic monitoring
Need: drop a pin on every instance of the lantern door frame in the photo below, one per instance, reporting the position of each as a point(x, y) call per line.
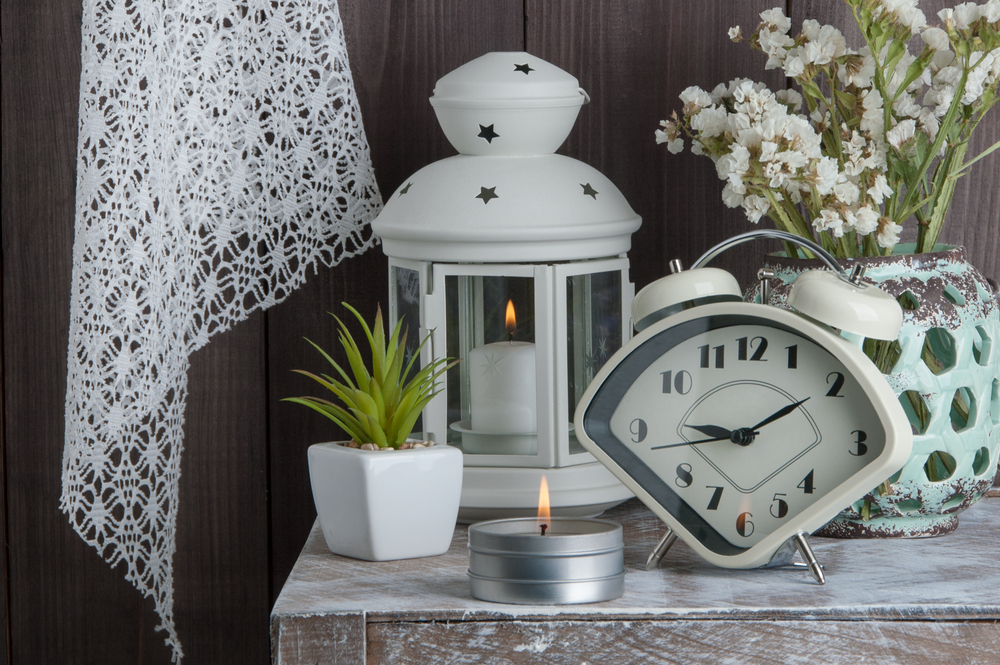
point(551, 332)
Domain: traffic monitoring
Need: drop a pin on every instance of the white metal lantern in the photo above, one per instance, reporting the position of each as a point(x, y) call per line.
point(508, 230)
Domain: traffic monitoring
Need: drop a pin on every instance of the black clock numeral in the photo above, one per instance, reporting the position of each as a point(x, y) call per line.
point(684, 477)
point(745, 343)
point(744, 526)
point(638, 429)
point(807, 485)
point(713, 503)
point(793, 356)
point(681, 382)
point(838, 384)
point(860, 441)
point(720, 356)
point(779, 507)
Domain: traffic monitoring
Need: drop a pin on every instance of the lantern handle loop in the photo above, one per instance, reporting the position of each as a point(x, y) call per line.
point(771, 234)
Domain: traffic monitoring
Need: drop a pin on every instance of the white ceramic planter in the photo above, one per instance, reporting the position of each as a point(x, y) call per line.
point(381, 506)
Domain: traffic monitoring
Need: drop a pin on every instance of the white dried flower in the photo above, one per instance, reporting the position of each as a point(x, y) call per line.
point(810, 29)
point(982, 68)
point(826, 46)
point(829, 220)
point(936, 39)
point(905, 13)
point(775, 45)
point(901, 133)
point(791, 98)
point(776, 18)
point(846, 191)
point(825, 176)
point(879, 190)
point(793, 65)
point(734, 33)
point(947, 16)
point(991, 11)
point(888, 232)
point(711, 121)
point(865, 220)
point(732, 195)
point(871, 120)
point(755, 207)
point(929, 124)
point(966, 14)
point(695, 99)
point(906, 106)
point(857, 69)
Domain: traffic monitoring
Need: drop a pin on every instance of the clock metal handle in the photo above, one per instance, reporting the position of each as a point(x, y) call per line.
point(772, 234)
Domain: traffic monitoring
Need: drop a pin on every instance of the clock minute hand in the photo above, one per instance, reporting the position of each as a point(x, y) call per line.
point(780, 413)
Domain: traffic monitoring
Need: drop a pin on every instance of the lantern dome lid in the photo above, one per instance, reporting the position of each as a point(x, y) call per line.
point(517, 78)
point(507, 104)
point(506, 210)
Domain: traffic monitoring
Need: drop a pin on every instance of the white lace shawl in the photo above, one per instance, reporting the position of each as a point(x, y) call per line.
point(221, 154)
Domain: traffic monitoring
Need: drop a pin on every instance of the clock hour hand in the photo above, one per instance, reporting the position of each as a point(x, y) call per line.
point(711, 430)
point(780, 413)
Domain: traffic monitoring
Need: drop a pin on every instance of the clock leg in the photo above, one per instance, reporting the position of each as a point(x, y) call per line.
point(807, 555)
point(668, 539)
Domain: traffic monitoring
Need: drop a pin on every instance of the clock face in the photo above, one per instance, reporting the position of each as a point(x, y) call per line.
point(735, 425)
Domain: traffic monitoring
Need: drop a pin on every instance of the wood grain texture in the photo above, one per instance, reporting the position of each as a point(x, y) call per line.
point(957, 577)
point(397, 51)
point(66, 604)
point(634, 58)
point(942, 601)
point(221, 565)
point(683, 642)
point(330, 640)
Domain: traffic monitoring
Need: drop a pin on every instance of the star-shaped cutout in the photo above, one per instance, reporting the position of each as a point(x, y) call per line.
point(589, 191)
point(487, 194)
point(406, 189)
point(523, 68)
point(487, 133)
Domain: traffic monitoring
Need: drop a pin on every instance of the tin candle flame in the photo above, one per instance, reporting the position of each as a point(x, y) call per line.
point(544, 511)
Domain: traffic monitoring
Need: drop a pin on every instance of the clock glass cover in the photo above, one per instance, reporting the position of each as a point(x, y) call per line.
point(734, 424)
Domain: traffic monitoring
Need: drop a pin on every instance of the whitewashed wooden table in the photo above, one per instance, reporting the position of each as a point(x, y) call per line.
point(932, 600)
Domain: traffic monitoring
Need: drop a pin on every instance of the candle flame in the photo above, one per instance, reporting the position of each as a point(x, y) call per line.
point(511, 320)
point(544, 512)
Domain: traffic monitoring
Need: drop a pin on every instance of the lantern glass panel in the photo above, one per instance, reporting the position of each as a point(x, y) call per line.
point(476, 315)
point(406, 301)
point(594, 326)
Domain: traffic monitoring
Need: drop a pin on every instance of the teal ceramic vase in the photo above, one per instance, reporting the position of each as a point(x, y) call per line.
point(945, 368)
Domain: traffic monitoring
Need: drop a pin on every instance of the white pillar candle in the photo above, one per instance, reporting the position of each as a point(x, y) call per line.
point(502, 376)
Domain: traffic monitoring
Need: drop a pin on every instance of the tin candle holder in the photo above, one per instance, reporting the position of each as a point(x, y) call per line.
point(575, 561)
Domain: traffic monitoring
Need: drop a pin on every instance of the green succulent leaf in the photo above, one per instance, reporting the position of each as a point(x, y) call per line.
point(379, 406)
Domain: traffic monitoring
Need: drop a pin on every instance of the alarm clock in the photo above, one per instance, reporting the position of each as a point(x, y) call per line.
point(746, 427)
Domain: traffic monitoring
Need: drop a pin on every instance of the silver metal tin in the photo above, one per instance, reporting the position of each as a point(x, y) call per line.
point(576, 561)
point(525, 592)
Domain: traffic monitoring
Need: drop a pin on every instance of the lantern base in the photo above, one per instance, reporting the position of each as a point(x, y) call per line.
point(583, 490)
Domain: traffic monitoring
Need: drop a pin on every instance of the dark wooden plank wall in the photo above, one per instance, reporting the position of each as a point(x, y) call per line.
point(245, 503)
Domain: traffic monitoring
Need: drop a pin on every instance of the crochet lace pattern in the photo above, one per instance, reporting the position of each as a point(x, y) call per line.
point(221, 154)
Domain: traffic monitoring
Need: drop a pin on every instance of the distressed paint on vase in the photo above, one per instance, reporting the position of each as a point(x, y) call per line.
point(947, 361)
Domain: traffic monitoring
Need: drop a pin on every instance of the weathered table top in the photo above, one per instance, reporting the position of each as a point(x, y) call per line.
point(901, 601)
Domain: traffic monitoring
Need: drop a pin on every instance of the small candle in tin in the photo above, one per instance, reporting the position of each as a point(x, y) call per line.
point(546, 560)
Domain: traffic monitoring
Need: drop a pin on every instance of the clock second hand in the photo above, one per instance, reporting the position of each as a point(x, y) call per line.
point(691, 443)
